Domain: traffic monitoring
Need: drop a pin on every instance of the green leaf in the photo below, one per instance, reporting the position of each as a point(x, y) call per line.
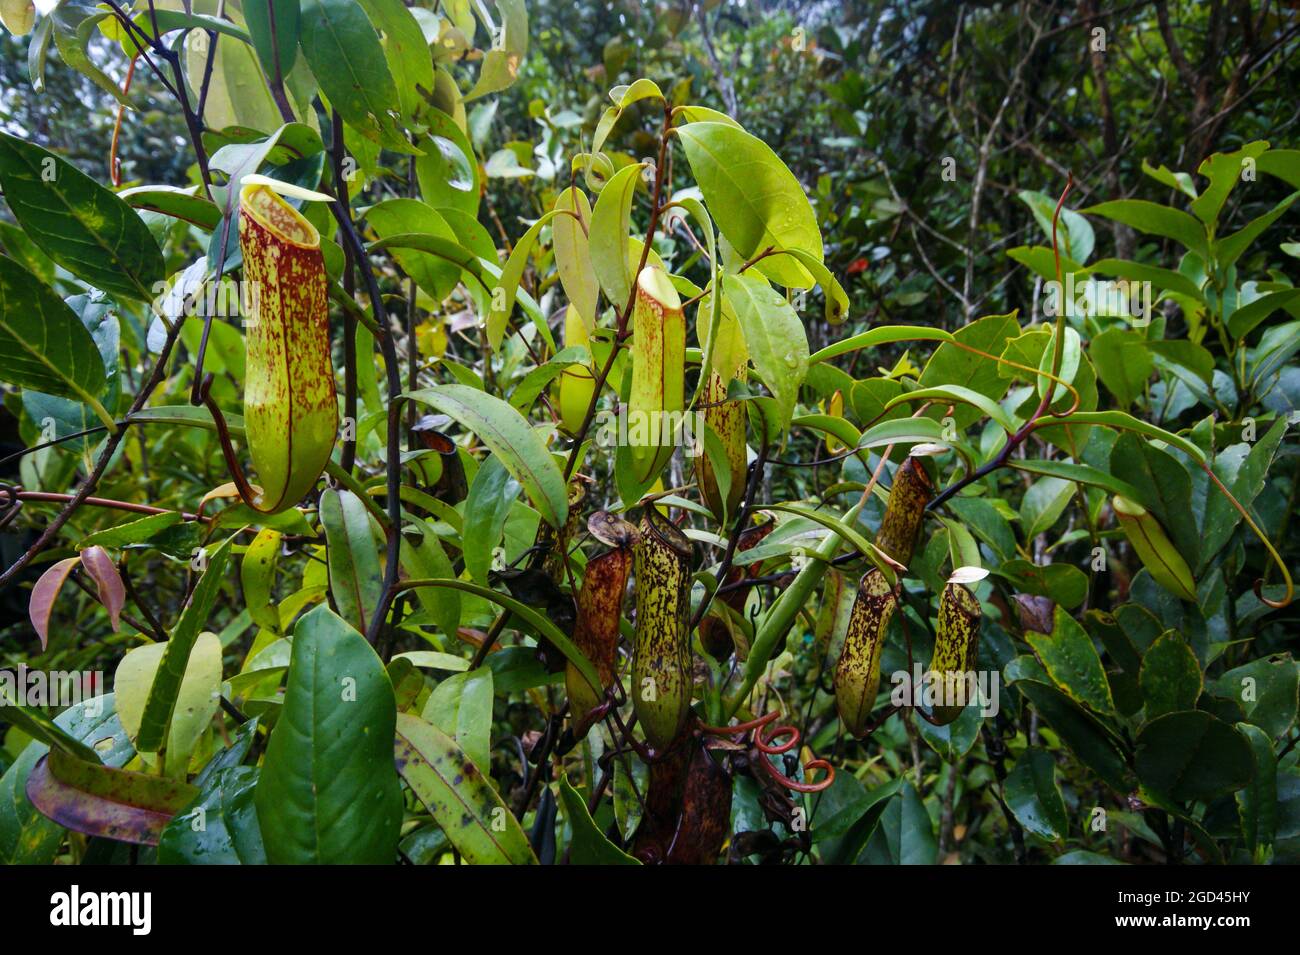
point(257, 578)
point(1072, 662)
point(486, 508)
point(356, 578)
point(1043, 505)
point(221, 827)
point(329, 793)
point(756, 201)
point(1230, 248)
point(573, 254)
point(1192, 756)
point(1066, 584)
point(1247, 318)
point(960, 395)
point(436, 276)
point(1170, 677)
point(1224, 172)
point(43, 344)
point(541, 623)
point(1266, 690)
point(78, 223)
point(611, 221)
point(904, 835)
point(588, 845)
point(448, 173)
point(1087, 737)
point(1162, 280)
point(1126, 422)
point(1078, 473)
point(511, 438)
point(1257, 803)
point(273, 27)
point(775, 336)
point(883, 335)
point(461, 706)
point(406, 50)
point(197, 698)
point(27, 837)
point(1123, 363)
point(501, 64)
point(1032, 795)
point(424, 557)
point(347, 59)
point(461, 798)
point(132, 532)
point(1154, 219)
point(160, 707)
point(1160, 483)
point(507, 287)
point(1074, 232)
point(950, 364)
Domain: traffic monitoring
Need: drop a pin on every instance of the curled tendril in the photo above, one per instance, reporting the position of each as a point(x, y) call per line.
point(10, 503)
point(766, 731)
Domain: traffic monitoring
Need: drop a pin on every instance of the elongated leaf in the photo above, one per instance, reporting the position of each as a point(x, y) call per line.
point(328, 792)
point(460, 797)
point(486, 510)
point(884, 335)
point(1033, 796)
point(197, 698)
point(1170, 676)
point(1091, 741)
point(501, 64)
point(756, 201)
point(257, 578)
point(573, 254)
point(610, 222)
point(108, 582)
point(510, 437)
point(1072, 662)
point(589, 846)
point(422, 556)
point(1192, 755)
point(355, 575)
point(26, 836)
point(406, 51)
point(43, 344)
point(78, 223)
point(221, 828)
point(538, 621)
point(100, 800)
point(132, 532)
point(503, 295)
point(273, 27)
point(347, 59)
point(45, 592)
point(775, 336)
point(1154, 219)
point(158, 710)
point(436, 276)
point(461, 706)
point(1079, 473)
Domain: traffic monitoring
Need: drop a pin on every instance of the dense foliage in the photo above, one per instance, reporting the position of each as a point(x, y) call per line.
point(594, 432)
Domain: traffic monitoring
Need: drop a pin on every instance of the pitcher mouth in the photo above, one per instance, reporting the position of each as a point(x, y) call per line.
point(278, 217)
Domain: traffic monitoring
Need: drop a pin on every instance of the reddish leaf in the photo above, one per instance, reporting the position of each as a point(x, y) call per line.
point(101, 801)
point(112, 594)
point(46, 591)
